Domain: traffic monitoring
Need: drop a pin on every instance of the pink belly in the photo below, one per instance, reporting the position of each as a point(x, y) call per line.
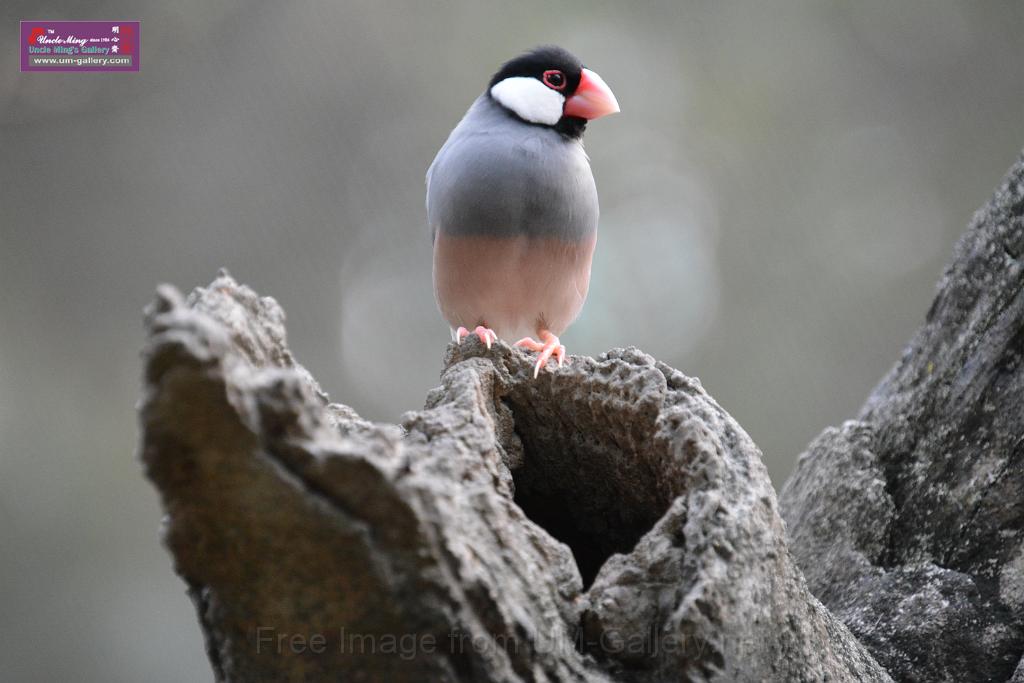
point(516, 286)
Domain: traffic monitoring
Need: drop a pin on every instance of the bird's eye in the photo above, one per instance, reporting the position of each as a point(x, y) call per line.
point(554, 79)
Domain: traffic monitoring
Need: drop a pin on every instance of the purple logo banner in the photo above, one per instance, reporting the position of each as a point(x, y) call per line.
point(80, 45)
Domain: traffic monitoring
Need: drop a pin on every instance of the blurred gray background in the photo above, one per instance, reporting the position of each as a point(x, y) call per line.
point(779, 196)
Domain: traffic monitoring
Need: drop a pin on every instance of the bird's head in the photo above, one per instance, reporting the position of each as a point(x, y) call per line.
point(548, 86)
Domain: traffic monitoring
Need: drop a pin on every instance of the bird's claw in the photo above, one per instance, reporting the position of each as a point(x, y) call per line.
point(485, 334)
point(549, 347)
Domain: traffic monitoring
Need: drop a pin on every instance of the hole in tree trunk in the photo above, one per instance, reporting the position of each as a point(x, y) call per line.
point(592, 473)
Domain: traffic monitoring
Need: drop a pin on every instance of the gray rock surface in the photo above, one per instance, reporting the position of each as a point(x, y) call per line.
point(909, 522)
point(607, 521)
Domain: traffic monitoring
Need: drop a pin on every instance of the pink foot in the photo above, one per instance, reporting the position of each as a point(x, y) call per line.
point(485, 334)
point(550, 347)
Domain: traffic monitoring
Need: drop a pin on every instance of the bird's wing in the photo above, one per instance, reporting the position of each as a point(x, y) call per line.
point(499, 176)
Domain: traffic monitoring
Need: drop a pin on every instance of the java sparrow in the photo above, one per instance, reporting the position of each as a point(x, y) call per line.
point(512, 205)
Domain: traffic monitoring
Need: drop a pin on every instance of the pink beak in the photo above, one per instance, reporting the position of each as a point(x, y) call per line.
point(592, 99)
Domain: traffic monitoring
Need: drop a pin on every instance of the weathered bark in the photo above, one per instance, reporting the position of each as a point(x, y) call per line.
point(909, 522)
point(433, 549)
point(607, 521)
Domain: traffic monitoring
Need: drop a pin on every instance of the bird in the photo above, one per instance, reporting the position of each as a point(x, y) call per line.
point(512, 204)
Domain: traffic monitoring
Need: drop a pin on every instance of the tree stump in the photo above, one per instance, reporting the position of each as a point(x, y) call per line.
point(607, 521)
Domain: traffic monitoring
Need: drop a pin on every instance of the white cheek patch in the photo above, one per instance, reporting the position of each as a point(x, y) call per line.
point(529, 99)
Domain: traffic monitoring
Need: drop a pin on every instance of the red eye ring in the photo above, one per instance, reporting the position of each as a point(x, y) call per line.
point(555, 79)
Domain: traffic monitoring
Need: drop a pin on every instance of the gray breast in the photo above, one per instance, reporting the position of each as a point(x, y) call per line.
point(499, 176)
